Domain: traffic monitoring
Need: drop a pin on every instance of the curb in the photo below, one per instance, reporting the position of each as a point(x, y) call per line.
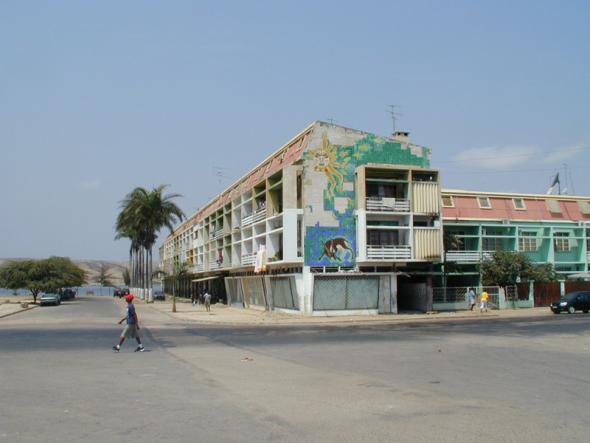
point(347, 322)
point(19, 311)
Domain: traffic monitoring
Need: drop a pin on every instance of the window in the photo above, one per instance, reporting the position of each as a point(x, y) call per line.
point(518, 204)
point(484, 202)
point(553, 206)
point(561, 241)
point(527, 242)
point(382, 238)
point(584, 207)
point(491, 240)
point(447, 201)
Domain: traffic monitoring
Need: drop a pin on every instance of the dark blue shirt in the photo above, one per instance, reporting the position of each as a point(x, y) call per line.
point(130, 314)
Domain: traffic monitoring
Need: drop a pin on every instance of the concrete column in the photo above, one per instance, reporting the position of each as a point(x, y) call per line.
point(562, 287)
point(501, 299)
point(290, 234)
point(393, 294)
point(361, 234)
point(306, 301)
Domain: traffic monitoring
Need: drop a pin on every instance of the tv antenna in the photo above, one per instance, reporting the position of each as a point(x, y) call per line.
point(394, 116)
point(219, 172)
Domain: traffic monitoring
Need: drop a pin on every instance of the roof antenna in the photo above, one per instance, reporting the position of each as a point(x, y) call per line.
point(219, 172)
point(394, 116)
point(568, 180)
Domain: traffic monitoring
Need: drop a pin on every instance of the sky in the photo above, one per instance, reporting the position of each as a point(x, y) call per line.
point(97, 98)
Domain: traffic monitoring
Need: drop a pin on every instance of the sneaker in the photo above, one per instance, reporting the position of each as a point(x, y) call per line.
point(140, 348)
point(116, 348)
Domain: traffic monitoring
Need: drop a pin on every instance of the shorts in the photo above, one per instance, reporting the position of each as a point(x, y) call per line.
point(484, 305)
point(130, 331)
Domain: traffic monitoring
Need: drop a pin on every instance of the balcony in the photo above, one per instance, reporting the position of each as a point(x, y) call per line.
point(248, 259)
point(389, 252)
point(217, 234)
point(385, 204)
point(215, 265)
point(254, 217)
point(468, 256)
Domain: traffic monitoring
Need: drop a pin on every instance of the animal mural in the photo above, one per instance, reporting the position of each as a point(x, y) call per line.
point(336, 249)
point(330, 231)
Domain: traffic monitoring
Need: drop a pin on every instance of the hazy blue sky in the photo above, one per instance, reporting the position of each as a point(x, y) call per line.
point(99, 97)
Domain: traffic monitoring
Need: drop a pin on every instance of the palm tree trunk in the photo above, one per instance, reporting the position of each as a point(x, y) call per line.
point(150, 280)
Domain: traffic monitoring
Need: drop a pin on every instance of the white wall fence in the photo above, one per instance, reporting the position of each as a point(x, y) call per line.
point(455, 298)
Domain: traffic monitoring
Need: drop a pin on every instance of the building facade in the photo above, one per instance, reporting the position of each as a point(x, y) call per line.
point(551, 229)
point(335, 221)
point(341, 221)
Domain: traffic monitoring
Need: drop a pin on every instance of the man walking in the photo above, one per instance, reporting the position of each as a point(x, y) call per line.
point(484, 302)
point(207, 299)
point(471, 296)
point(131, 328)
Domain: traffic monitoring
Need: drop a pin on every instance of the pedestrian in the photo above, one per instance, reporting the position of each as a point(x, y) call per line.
point(484, 301)
point(131, 329)
point(207, 300)
point(471, 296)
point(194, 298)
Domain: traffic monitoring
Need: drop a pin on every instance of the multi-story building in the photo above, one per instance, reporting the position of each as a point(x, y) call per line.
point(336, 220)
point(551, 229)
point(340, 221)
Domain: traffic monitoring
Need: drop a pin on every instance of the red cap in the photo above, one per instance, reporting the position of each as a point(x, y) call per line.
point(129, 297)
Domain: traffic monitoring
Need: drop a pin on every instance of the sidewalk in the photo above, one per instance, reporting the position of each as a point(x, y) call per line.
point(224, 315)
point(11, 306)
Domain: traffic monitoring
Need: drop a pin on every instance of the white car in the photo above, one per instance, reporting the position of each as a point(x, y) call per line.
point(50, 298)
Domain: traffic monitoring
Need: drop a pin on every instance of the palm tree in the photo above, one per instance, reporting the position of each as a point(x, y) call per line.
point(143, 214)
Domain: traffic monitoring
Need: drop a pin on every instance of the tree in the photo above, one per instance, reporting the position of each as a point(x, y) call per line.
point(143, 214)
point(41, 275)
point(126, 277)
point(104, 278)
point(506, 268)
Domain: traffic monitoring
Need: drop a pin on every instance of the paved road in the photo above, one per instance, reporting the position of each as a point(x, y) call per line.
point(472, 381)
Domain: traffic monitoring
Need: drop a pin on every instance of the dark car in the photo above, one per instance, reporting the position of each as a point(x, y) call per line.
point(67, 294)
point(572, 302)
point(121, 292)
point(159, 295)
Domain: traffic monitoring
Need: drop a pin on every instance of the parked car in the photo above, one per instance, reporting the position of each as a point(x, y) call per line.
point(50, 298)
point(121, 292)
point(572, 302)
point(67, 294)
point(159, 295)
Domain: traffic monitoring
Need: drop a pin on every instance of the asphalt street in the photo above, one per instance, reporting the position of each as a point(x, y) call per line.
point(481, 380)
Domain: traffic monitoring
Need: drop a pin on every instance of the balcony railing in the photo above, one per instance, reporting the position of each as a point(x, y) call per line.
point(248, 259)
point(389, 252)
point(217, 234)
point(468, 256)
point(254, 217)
point(198, 268)
point(384, 204)
point(248, 220)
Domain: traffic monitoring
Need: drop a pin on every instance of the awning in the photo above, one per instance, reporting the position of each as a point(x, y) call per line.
point(206, 278)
